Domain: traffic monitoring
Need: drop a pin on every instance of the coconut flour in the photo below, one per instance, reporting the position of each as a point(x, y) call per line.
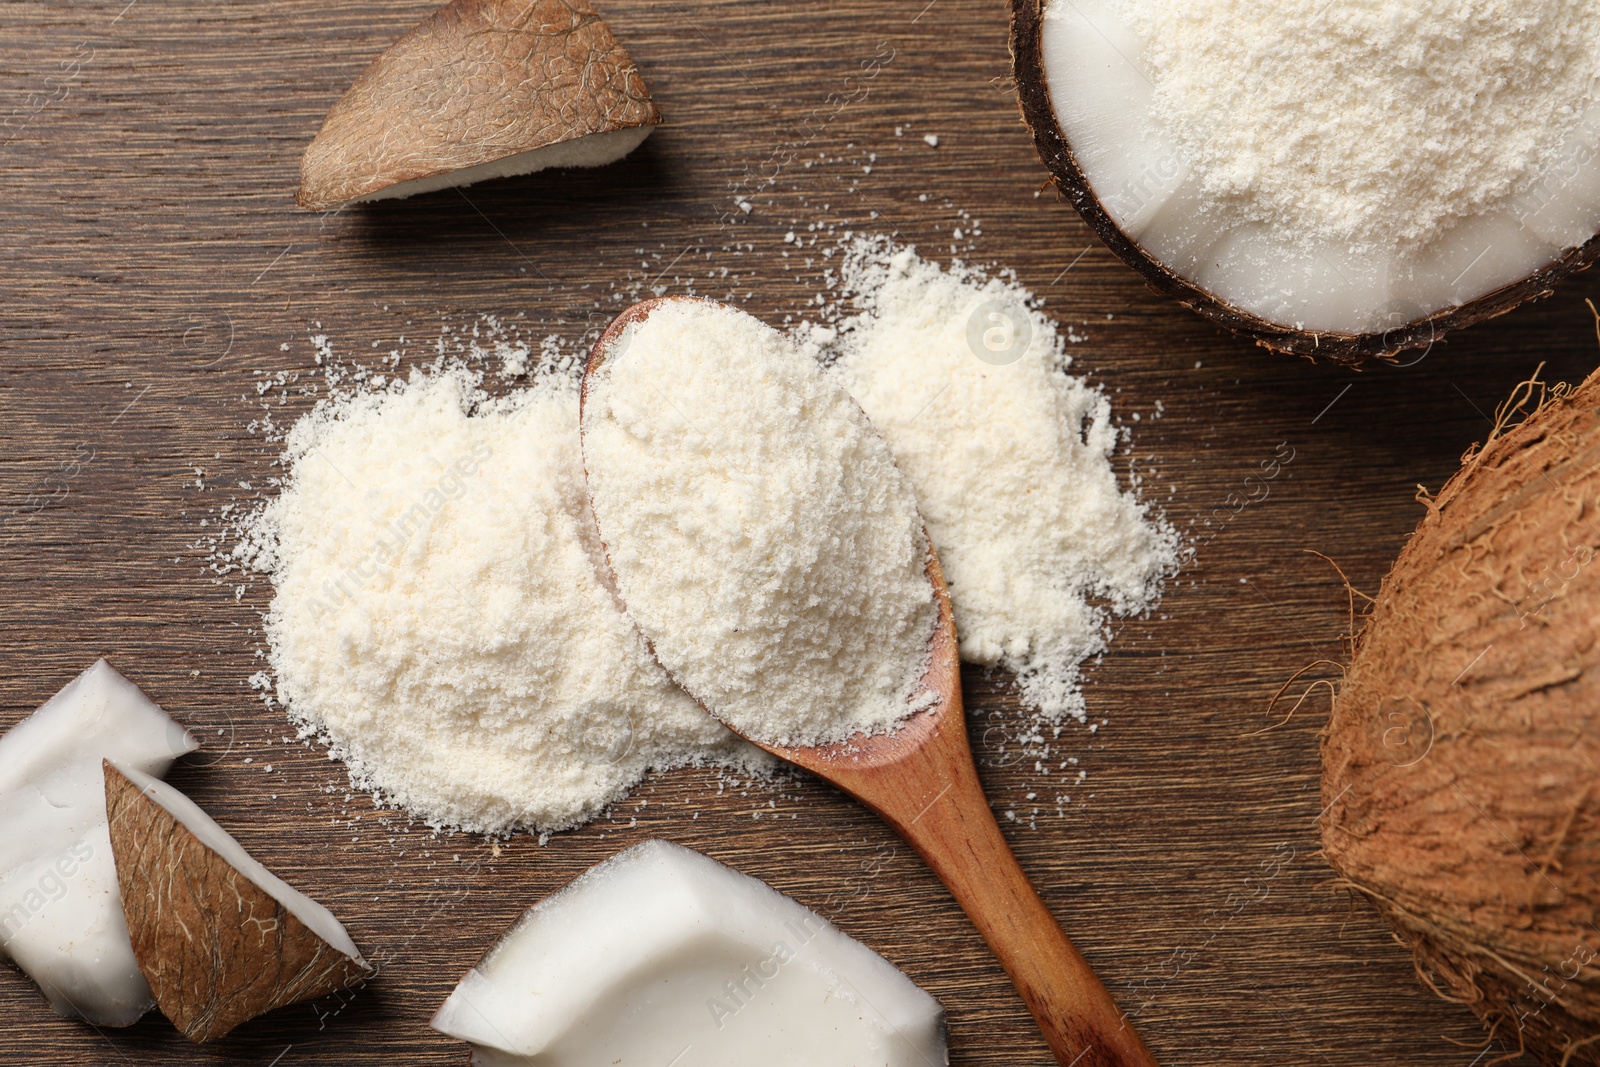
point(440, 616)
point(1011, 460)
point(1372, 123)
point(762, 537)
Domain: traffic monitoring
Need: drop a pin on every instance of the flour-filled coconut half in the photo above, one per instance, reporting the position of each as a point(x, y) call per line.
point(1340, 179)
point(480, 89)
point(661, 956)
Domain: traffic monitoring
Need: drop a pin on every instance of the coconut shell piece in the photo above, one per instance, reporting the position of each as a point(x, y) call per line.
point(480, 89)
point(1350, 349)
point(216, 947)
point(1461, 766)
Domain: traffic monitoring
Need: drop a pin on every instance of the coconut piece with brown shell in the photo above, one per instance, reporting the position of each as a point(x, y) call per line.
point(1461, 766)
point(1088, 92)
point(60, 910)
point(219, 937)
point(480, 89)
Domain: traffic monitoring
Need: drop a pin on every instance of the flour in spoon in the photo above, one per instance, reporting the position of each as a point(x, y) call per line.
point(762, 537)
point(1011, 459)
point(441, 616)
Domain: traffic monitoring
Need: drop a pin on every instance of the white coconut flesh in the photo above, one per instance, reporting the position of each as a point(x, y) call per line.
point(61, 915)
point(317, 918)
point(1103, 91)
point(593, 150)
point(661, 955)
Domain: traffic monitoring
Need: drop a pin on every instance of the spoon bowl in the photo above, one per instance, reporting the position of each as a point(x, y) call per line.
point(922, 780)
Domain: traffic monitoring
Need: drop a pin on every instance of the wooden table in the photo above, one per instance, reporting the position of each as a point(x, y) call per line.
point(154, 265)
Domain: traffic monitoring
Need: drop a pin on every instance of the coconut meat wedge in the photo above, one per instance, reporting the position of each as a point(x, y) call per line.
point(61, 916)
point(220, 938)
point(661, 955)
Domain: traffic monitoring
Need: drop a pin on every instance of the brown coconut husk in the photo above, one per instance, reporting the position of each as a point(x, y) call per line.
point(476, 82)
point(1461, 765)
point(216, 948)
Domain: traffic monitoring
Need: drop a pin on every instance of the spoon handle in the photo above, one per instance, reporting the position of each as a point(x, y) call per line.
point(922, 780)
point(946, 818)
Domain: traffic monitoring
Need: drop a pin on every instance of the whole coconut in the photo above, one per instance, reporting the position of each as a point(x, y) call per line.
point(1461, 767)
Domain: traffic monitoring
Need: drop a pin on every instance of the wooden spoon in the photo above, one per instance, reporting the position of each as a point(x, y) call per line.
point(922, 780)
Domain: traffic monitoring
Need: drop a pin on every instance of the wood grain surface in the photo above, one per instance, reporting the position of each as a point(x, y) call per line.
point(154, 266)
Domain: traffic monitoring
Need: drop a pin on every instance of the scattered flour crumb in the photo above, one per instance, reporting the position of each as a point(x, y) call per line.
point(761, 533)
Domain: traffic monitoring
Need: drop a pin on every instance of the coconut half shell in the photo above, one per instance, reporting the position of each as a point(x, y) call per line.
point(1402, 330)
point(1461, 766)
point(217, 945)
point(480, 89)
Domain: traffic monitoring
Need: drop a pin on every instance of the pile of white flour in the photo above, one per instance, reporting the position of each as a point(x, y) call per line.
point(439, 615)
point(1011, 460)
point(762, 536)
point(1374, 123)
